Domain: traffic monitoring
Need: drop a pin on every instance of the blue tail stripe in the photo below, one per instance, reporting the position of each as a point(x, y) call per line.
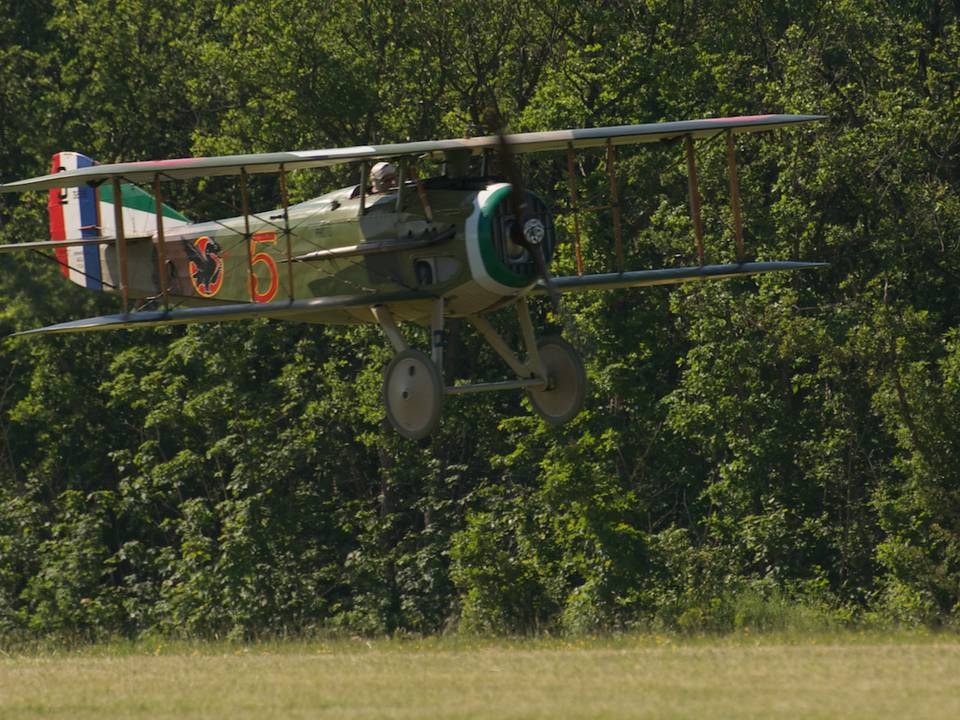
point(89, 220)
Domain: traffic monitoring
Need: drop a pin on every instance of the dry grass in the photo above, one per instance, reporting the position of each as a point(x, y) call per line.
point(827, 677)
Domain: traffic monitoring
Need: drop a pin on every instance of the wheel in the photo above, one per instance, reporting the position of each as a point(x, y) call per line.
point(412, 394)
point(562, 399)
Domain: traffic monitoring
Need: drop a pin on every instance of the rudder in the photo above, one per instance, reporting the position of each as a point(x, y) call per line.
point(74, 214)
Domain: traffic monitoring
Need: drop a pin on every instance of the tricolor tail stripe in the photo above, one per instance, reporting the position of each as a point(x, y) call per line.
point(89, 206)
point(74, 215)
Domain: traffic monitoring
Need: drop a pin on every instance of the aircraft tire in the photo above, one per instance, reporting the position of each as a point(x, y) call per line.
point(562, 399)
point(412, 394)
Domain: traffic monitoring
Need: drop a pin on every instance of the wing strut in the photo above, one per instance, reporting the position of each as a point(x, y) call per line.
point(121, 243)
point(735, 195)
point(401, 181)
point(286, 227)
point(363, 188)
point(422, 193)
point(614, 204)
point(161, 243)
point(247, 236)
point(693, 184)
point(575, 206)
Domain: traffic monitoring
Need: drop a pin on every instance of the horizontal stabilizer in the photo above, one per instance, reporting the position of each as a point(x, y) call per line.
point(54, 244)
point(669, 276)
point(299, 309)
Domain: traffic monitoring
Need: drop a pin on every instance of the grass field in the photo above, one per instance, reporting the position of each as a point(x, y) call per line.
point(869, 676)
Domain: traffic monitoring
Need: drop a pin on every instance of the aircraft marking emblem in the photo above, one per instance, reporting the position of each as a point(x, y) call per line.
point(205, 265)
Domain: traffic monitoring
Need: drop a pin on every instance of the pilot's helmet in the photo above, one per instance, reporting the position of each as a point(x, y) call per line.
point(383, 176)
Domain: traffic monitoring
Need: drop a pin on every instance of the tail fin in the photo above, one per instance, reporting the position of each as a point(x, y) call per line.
point(73, 215)
point(87, 212)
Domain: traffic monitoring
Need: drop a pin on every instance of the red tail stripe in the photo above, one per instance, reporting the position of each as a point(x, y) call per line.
point(55, 210)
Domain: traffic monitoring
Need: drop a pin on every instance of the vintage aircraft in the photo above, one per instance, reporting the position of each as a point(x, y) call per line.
point(462, 244)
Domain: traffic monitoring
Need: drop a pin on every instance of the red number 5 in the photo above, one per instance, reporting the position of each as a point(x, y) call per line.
point(262, 257)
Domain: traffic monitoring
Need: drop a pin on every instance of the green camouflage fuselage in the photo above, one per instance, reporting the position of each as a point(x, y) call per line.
point(465, 255)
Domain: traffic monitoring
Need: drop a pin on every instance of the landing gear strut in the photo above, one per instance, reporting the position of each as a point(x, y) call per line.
point(413, 388)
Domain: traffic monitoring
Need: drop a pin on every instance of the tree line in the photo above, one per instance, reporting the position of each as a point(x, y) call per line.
point(785, 446)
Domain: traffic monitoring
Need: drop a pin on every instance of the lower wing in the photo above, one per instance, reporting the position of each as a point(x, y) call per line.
point(668, 276)
point(298, 309)
point(294, 309)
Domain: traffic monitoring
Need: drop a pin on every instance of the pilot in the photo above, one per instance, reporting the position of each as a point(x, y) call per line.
point(383, 177)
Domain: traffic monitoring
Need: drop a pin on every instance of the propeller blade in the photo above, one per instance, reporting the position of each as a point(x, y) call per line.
point(517, 200)
point(552, 292)
point(518, 204)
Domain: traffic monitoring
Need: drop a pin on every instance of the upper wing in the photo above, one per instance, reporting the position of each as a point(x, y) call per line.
point(669, 276)
point(183, 168)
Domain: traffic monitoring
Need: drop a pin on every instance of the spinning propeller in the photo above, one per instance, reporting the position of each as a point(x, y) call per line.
point(526, 232)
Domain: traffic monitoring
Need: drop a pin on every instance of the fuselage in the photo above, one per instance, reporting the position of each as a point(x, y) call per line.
point(466, 254)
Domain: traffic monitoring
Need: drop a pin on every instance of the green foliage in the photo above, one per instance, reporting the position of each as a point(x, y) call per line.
point(774, 454)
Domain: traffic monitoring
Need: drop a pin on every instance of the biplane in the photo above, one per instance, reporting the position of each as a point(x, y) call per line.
point(461, 244)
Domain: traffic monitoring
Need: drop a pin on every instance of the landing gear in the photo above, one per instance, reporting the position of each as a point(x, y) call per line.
point(562, 398)
point(413, 387)
point(412, 394)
